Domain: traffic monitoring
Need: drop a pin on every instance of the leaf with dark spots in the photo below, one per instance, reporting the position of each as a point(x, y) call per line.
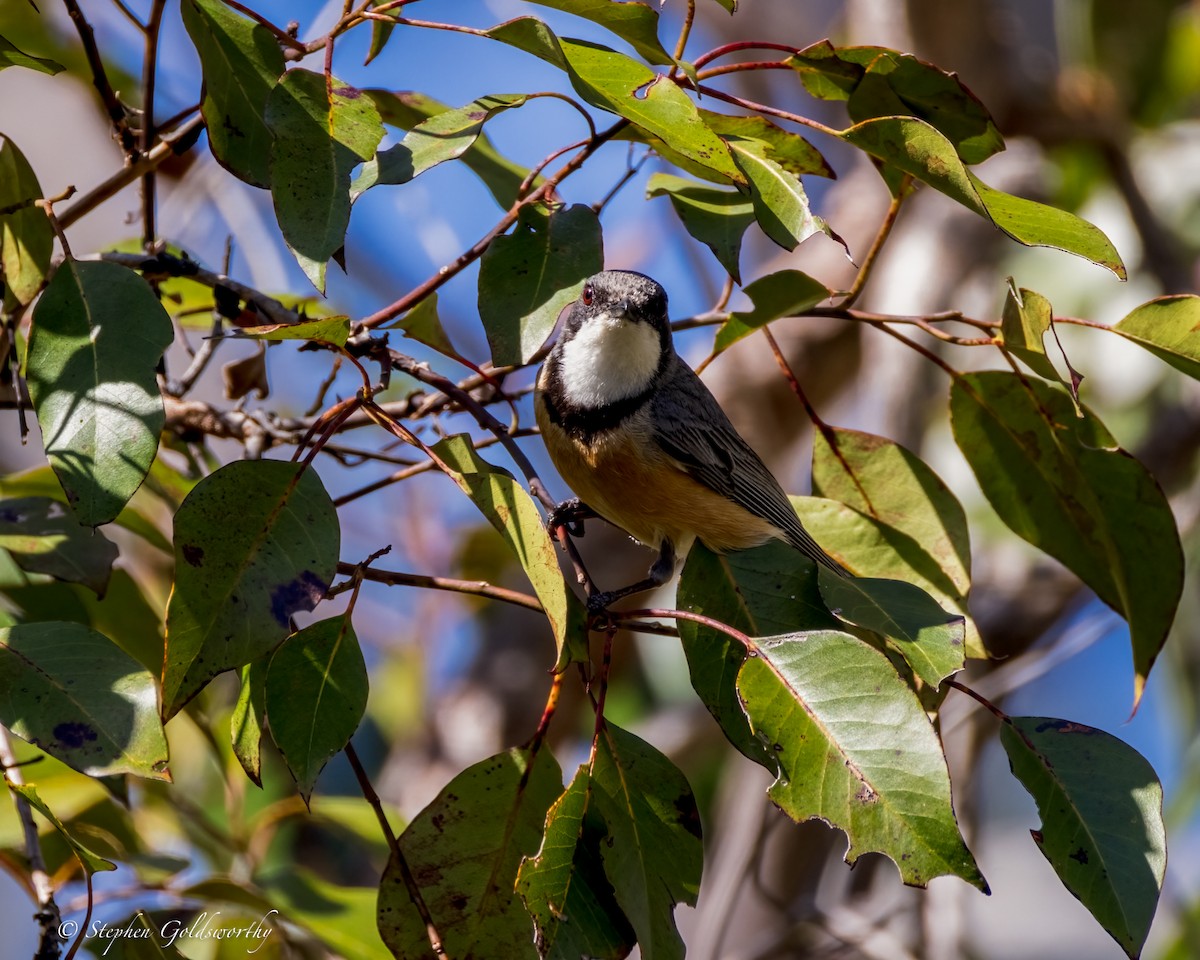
point(277, 558)
point(74, 735)
point(192, 554)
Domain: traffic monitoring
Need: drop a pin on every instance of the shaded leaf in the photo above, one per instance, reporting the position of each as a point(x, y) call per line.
point(26, 237)
point(91, 862)
point(653, 852)
point(1024, 323)
point(248, 719)
point(464, 850)
point(510, 510)
point(315, 697)
point(381, 32)
point(915, 147)
point(247, 374)
point(238, 583)
point(78, 696)
point(242, 63)
point(407, 108)
point(635, 23)
point(98, 334)
point(1169, 327)
point(855, 749)
point(340, 916)
point(334, 330)
point(444, 136)
point(42, 537)
point(1102, 824)
point(423, 324)
point(785, 293)
point(320, 136)
point(1063, 484)
point(758, 592)
point(879, 82)
point(717, 218)
point(529, 275)
point(12, 56)
point(564, 886)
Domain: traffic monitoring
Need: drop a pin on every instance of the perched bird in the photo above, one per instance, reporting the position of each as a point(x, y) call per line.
point(645, 445)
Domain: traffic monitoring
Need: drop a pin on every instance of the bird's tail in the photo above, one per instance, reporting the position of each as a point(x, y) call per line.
point(803, 541)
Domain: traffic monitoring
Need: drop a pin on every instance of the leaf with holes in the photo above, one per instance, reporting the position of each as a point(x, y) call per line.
point(785, 293)
point(26, 237)
point(1063, 484)
point(97, 337)
point(717, 218)
point(854, 748)
point(42, 537)
point(463, 851)
point(653, 852)
point(315, 697)
point(1168, 327)
point(916, 148)
point(320, 134)
point(75, 694)
point(509, 509)
point(529, 275)
point(255, 542)
point(1108, 846)
point(241, 62)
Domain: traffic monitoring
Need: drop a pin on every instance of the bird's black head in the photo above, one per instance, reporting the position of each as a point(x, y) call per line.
point(625, 295)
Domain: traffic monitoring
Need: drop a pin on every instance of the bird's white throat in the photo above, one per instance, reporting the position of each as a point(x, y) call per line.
point(609, 359)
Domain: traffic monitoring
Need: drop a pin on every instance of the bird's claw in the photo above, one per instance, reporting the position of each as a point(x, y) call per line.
point(570, 514)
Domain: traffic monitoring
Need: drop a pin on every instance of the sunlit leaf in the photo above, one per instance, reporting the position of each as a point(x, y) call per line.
point(790, 150)
point(780, 203)
point(381, 31)
point(1168, 327)
point(1102, 823)
point(528, 276)
point(78, 696)
point(320, 134)
point(316, 696)
point(42, 537)
point(1024, 323)
point(334, 330)
point(242, 63)
point(785, 293)
point(717, 218)
point(255, 542)
point(248, 719)
point(97, 337)
point(511, 511)
point(464, 850)
point(855, 749)
point(635, 23)
point(26, 237)
point(1063, 484)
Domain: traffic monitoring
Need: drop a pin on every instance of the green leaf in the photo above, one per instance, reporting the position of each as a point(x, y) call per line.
point(446, 135)
point(255, 542)
point(614, 82)
point(381, 32)
point(91, 862)
point(43, 538)
point(915, 147)
point(780, 203)
point(1102, 824)
point(1169, 327)
point(758, 592)
point(26, 237)
point(320, 669)
point(340, 916)
point(653, 853)
point(320, 136)
point(11, 56)
point(78, 696)
point(635, 23)
point(423, 324)
point(879, 82)
point(790, 150)
point(564, 886)
point(334, 330)
point(717, 218)
point(909, 525)
point(248, 719)
point(1024, 323)
point(929, 639)
point(510, 510)
point(855, 749)
point(407, 108)
point(242, 63)
point(785, 293)
point(98, 335)
point(1064, 485)
point(528, 276)
point(464, 850)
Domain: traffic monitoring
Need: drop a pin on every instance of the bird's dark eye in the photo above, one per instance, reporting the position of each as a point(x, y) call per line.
point(588, 294)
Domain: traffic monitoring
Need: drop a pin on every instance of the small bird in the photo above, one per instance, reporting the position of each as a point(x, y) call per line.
point(645, 445)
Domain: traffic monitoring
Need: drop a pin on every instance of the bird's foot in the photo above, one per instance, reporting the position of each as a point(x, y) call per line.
point(569, 514)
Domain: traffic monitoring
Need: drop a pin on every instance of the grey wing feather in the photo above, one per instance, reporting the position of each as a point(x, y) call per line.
point(691, 427)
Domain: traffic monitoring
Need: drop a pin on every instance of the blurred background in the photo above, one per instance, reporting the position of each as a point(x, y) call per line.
point(1098, 101)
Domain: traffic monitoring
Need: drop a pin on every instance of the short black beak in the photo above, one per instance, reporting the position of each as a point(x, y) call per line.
point(622, 307)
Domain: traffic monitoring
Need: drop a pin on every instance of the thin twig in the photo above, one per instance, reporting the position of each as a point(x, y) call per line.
point(978, 697)
point(770, 111)
point(285, 39)
point(116, 111)
point(885, 230)
point(397, 578)
point(149, 131)
point(47, 207)
point(685, 31)
point(728, 48)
